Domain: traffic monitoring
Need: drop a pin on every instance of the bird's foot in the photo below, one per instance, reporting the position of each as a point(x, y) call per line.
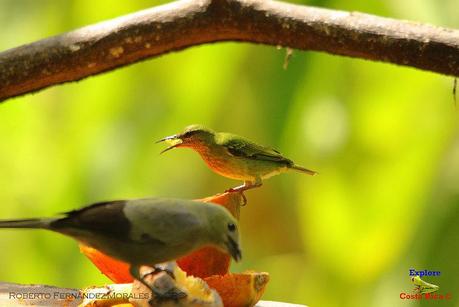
point(244, 199)
point(158, 268)
point(171, 294)
point(240, 191)
point(240, 188)
point(244, 187)
point(233, 190)
point(169, 290)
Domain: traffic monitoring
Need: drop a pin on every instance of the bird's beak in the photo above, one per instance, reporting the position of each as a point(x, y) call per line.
point(233, 249)
point(174, 140)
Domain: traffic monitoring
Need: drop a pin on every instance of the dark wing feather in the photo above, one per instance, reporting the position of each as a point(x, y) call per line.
point(240, 147)
point(105, 218)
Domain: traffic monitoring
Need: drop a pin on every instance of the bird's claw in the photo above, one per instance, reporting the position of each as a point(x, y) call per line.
point(171, 294)
point(149, 272)
point(246, 186)
point(244, 199)
point(240, 191)
point(169, 288)
point(158, 269)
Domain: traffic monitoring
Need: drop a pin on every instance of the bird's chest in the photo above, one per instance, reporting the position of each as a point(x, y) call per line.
point(227, 165)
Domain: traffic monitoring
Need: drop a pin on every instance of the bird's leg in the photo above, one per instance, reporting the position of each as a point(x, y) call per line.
point(135, 272)
point(167, 267)
point(258, 183)
point(244, 199)
point(239, 188)
point(173, 293)
point(244, 187)
point(247, 186)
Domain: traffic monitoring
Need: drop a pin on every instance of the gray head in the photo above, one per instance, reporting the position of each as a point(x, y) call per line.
point(223, 230)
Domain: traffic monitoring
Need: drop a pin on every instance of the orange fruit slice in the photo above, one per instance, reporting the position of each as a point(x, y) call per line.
point(240, 289)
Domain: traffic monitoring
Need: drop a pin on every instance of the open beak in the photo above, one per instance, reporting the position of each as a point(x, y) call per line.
point(233, 249)
point(174, 140)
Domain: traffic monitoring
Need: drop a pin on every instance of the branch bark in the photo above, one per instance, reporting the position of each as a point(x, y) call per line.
point(108, 45)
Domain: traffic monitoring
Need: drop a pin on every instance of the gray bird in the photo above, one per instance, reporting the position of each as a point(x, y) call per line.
point(145, 231)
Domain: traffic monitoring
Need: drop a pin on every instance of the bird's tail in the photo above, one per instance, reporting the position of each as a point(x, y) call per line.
point(27, 223)
point(303, 170)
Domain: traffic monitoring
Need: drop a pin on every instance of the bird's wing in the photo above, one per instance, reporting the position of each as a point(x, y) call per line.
point(104, 217)
point(169, 220)
point(241, 147)
point(156, 221)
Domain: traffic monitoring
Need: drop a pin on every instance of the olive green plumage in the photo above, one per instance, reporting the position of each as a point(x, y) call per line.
point(234, 156)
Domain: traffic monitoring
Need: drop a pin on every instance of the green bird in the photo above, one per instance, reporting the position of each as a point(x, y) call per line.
point(422, 286)
point(234, 156)
point(145, 231)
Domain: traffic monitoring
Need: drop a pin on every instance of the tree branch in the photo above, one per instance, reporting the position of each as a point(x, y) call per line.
point(156, 31)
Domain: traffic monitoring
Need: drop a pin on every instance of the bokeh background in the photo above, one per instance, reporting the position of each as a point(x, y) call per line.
point(385, 140)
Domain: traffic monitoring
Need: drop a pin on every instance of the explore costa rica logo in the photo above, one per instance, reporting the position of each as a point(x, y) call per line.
point(423, 289)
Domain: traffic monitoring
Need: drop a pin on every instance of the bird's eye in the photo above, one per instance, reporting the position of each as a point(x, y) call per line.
point(189, 134)
point(231, 227)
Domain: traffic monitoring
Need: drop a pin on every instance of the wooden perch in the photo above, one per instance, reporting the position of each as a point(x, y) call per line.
point(159, 30)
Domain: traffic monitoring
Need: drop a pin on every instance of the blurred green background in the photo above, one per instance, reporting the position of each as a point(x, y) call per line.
point(384, 139)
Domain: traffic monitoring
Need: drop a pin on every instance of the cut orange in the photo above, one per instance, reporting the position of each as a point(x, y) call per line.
point(241, 289)
point(116, 270)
